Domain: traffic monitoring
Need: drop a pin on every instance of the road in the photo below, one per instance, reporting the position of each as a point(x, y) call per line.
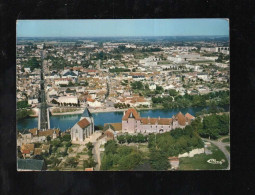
point(222, 147)
point(96, 154)
point(43, 104)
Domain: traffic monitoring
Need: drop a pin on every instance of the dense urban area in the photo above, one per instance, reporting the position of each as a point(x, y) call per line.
point(70, 76)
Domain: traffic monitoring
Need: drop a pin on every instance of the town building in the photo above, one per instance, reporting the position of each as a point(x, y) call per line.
point(83, 128)
point(133, 123)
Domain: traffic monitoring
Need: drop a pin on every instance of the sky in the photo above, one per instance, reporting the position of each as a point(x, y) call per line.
point(122, 27)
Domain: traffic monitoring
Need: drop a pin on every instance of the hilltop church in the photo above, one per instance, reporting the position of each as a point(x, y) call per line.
point(133, 123)
point(83, 128)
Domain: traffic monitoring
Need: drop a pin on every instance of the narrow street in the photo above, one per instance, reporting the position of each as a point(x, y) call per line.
point(96, 155)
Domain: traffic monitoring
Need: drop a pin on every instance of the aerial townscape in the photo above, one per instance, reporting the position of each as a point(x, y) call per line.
point(126, 103)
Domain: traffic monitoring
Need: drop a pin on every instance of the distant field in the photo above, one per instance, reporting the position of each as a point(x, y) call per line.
point(226, 140)
point(199, 161)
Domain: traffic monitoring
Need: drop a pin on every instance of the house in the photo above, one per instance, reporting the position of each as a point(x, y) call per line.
point(113, 126)
point(68, 99)
point(53, 133)
point(27, 150)
point(83, 128)
point(174, 162)
point(31, 165)
point(152, 86)
point(32, 101)
point(69, 74)
point(133, 123)
point(93, 103)
point(62, 81)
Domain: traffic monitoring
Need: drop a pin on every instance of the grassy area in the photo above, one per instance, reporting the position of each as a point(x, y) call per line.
point(226, 140)
point(228, 148)
point(199, 161)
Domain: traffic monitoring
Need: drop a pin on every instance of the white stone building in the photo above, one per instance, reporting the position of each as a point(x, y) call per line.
point(83, 129)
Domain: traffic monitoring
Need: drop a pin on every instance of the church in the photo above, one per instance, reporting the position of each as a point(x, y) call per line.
point(133, 123)
point(83, 128)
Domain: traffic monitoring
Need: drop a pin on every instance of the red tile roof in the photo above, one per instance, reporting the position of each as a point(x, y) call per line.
point(83, 123)
point(25, 151)
point(27, 147)
point(89, 169)
point(181, 119)
point(90, 100)
point(160, 121)
point(128, 112)
point(189, 116)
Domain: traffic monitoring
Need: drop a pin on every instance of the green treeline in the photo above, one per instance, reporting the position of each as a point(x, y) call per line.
point(120, 157)
point(58, 63)
point(214, 126)
point(211, 99)
point(22, 104)
point(21, 114)
point(32, 63)
point(139, 138)
point(22, 111)
point(172, 143)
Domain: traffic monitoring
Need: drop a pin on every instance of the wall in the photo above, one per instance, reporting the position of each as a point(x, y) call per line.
point(192, 153)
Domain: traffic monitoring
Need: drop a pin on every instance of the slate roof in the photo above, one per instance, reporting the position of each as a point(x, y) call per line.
point(70, 73)
point(86, 113)
point(31, 164)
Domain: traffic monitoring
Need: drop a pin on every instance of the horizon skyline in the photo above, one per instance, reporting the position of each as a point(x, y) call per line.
point(128, 36)
point(122, 28)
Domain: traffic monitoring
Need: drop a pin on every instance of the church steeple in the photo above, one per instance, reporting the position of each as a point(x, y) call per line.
point(86, 113)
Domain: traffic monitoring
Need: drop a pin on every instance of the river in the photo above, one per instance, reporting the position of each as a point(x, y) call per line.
point(63, 122)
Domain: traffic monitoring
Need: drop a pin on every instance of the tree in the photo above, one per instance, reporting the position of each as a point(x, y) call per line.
point(90, 146)
point(89, 163)
point(72, 162)
point(48, 138)
point(137, 85)
point(129, 138)
point(32, 63)
point(111, 147)
point(173, 92)
point(22, 104)
point(66, 137)
point(159, 160)
point(140, 138)
point(21, 114)
point(121, 139)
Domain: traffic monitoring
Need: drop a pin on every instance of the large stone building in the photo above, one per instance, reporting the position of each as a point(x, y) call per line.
point(133, 123)
point(83, 129)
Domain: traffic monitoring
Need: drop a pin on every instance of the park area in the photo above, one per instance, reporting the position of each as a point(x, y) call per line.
point(199, 161)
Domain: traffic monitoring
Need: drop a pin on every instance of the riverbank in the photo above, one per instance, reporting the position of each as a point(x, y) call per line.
point(98, 111)
point(105, 110)
point(101, 116)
